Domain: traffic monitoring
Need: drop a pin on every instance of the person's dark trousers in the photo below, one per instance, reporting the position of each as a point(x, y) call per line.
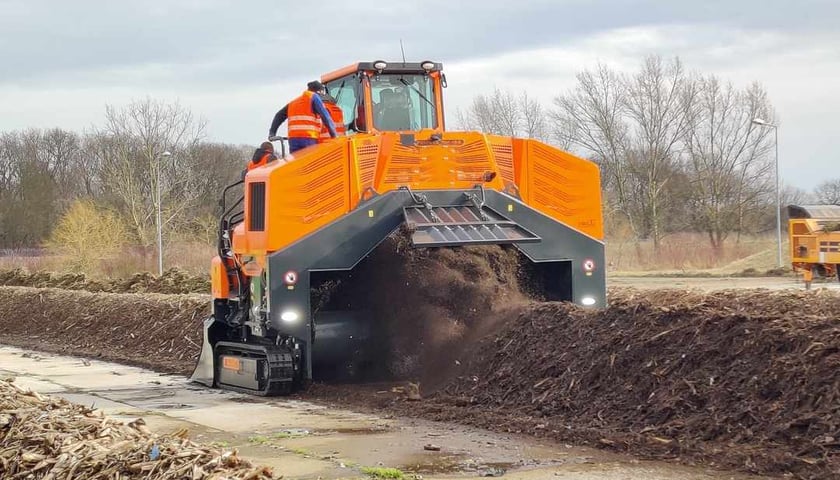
point(296, 144)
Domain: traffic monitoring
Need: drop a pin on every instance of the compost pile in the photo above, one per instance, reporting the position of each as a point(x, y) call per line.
point(162, 332)
point(422, 303)
point(746, 379)
point(173, 281)
point(49, 438)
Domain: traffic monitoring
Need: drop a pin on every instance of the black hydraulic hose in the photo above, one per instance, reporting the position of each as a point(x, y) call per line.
point(235, 219)
point(225, 191)
point(223, 229)
point(223, 223)
point(225, 212)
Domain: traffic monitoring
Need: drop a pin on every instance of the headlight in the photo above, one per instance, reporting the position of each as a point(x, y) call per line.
point(428, 66)
point(380, 65)
point(289, 316)
point(588, 301)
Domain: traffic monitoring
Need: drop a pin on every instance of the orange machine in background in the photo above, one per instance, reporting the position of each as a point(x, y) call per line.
point(814, 232)
point(311, 219)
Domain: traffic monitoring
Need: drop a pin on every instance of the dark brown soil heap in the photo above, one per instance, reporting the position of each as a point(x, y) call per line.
point(745, 379)
point(423, 303)
point(162, 332)
point(173, 281)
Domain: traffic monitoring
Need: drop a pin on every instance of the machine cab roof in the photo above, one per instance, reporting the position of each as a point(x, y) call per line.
point(382, 96)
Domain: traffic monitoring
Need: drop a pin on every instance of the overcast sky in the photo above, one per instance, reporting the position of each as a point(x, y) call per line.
point(236, 62)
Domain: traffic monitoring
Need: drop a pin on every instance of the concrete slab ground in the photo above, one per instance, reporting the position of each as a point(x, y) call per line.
point(310, 441)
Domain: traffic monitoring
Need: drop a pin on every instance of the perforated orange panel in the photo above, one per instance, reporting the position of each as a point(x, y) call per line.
point(503, 152)
point(563, 186)
point(366, 157)
point(303, 194)
point(324, 182)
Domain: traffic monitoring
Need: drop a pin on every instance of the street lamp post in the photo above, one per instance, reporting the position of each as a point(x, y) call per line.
point(163, 155)
point(763, 123)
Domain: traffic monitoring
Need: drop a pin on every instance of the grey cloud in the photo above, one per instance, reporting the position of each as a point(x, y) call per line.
point(210, 43)
point(204, 50)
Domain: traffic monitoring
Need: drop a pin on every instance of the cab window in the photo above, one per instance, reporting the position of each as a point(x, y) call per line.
point(345, 90)
point(403, 102)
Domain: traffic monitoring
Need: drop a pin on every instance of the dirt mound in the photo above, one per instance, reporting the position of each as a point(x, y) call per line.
point(162, 332)
point(44, 437)
point(743, 378)
point(422, 303)
point(173, 281)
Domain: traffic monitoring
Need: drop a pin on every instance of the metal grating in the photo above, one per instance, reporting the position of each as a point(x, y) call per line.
point(462, 225)
point(256, 212)
point(504, 159)
point(367, 156)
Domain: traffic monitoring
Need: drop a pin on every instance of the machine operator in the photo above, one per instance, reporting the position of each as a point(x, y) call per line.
point(303, 114)
point(337, 117)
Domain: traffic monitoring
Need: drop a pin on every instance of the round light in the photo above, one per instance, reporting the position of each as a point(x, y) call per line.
point(588, 265)
point(588, 301)
point(380, 65)
point(289, 316)
point(428, 66)
point(290, 277)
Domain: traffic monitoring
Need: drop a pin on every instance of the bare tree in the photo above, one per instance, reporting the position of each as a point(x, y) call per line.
point(29, 195)
point(129, 147)
point(62, 153)
point(658, 104)
point(534, 121)
point(790, 195)
point(9, 155)
point(828, 192)
point(632, 126)
point(727, 158)
point(496, 113)
point(502, 113)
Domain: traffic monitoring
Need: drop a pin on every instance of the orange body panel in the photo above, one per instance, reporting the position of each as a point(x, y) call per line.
point(811, 245)
point(560, 185)
point(219, 284)
point(320, 184)
point(348, 70)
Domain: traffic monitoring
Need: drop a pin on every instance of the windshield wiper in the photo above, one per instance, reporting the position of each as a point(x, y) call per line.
point(402, 80)
point(340, 90)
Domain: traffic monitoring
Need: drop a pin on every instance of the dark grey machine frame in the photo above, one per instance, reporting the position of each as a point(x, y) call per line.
point(344, 243)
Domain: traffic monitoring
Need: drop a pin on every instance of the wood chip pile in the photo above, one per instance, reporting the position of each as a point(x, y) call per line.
point(173, 281)
point(744, 378)
point(50, 438)
point(162, 332)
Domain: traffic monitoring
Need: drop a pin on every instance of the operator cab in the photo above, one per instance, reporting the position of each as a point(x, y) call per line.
point(383, 97)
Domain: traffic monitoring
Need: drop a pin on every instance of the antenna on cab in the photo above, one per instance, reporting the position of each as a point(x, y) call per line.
point(403, 51)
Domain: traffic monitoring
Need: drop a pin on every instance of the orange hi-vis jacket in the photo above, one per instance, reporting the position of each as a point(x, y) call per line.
point(338, 119)
point(303, 123)
point(261, 159)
